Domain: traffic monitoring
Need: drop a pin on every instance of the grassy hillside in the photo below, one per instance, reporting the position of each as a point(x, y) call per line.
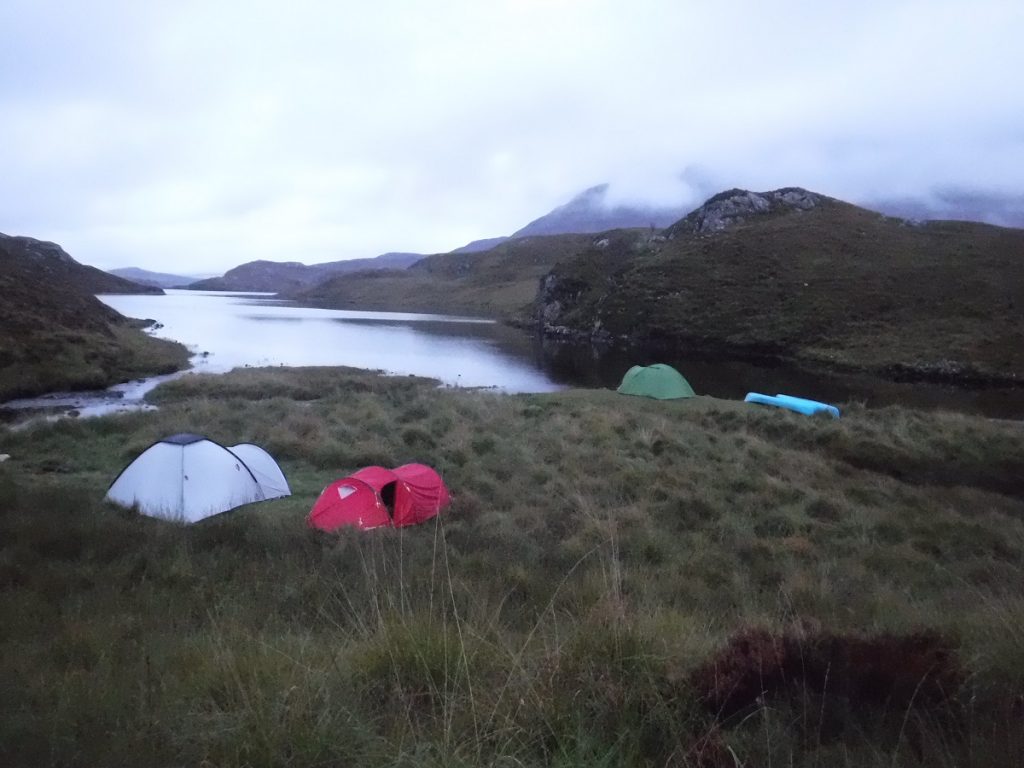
point(832, 283)
point(51, 264)
point(54, 334)
point(618, 582)
point(501, 282)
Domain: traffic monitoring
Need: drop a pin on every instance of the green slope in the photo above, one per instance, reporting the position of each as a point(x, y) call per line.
point(54, 334)
point(501, 282)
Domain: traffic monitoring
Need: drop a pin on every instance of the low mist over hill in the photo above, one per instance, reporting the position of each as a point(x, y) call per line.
point(55, 334)
point(787, 274)
point(290, 276)
point(590, 211)
point(957, 205)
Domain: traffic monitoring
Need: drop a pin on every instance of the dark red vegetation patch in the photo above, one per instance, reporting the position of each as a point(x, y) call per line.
point(894, 672)
point(749, 667)
point(710, 751)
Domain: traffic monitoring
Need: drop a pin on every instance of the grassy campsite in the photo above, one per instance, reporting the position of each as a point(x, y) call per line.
point(618, 581)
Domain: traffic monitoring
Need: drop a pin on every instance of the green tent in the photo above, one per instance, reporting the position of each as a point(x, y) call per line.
point(660, 381)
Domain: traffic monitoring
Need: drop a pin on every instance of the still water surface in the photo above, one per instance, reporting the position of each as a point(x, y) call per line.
point(252, 329)
point(229, 330)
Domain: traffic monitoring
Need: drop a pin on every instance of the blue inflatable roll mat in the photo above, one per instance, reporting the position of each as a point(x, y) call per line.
point(790, 403)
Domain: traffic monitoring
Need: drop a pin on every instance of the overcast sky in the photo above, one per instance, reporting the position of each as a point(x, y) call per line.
point(191, 136)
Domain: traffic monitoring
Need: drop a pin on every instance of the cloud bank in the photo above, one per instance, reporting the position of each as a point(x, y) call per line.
point(193, 136)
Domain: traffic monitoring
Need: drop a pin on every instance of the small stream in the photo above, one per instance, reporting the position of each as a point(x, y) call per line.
point(120, 398)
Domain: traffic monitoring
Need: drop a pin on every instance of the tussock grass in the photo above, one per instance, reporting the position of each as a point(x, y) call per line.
point(62, 359)
point(599, 552)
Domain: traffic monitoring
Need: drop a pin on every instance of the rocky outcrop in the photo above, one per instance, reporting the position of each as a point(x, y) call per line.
point(556, 295)
point(567, 302)
point(736, 206)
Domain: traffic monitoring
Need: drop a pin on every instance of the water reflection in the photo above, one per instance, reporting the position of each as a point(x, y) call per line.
point(573, 364)
point(248, 329)
point(231, 330)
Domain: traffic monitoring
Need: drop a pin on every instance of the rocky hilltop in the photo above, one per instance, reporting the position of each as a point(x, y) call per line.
point(735, 206)
point(55, 334)
point(791, 274)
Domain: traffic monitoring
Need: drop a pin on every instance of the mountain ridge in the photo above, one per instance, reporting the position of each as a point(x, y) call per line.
point(151, 278)
point(290, 276)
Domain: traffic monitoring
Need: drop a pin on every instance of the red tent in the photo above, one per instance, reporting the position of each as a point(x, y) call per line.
point(375, 497)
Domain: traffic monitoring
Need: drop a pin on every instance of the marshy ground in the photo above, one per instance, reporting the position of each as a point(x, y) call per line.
point(618, 581)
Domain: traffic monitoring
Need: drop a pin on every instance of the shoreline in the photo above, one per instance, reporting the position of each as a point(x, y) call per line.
point(948, 372)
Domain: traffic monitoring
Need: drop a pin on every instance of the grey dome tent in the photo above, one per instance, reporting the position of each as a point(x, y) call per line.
point(189, 477)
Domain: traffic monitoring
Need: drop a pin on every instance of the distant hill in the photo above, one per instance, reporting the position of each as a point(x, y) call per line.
point(55, 334)
point(292, 276)
point(587, 212)
point(480, 245)
point(51, 263)
point(590, 212)
point(499, 282)
point(156, 279)
point(794, 274)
